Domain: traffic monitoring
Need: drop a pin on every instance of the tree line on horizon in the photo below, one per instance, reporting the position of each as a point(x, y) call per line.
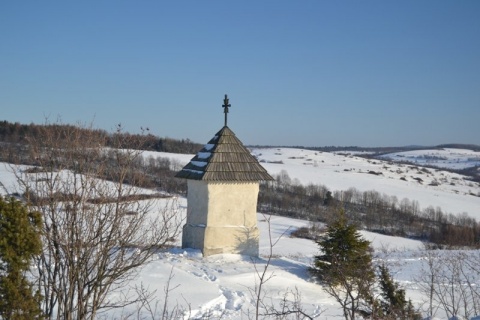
point(17, 133)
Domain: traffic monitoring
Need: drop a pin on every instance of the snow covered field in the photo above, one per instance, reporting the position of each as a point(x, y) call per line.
point(223, 286)
point(452, 192)
point(441, 158)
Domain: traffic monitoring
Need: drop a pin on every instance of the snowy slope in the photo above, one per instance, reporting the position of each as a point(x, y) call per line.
point(442, 158)
point(452, 192)
point(223, 286)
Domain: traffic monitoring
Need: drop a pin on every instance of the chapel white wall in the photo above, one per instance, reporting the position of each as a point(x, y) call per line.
point(222, 217)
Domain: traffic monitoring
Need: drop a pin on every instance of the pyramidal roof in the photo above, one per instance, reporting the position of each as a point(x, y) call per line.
point(224, 158)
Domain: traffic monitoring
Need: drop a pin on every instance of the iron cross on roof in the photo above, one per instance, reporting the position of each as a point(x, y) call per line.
point(226, 105)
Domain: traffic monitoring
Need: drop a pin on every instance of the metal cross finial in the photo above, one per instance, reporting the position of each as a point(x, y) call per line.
point(226, 105)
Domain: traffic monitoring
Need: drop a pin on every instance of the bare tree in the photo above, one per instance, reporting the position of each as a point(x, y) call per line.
point(290, 308)
point(152, 308)
point(263, 276)
point(450, 279)
point(290, 305)
point(456, 290)
point(471, 272)
point(427, 279)
point(99, 228)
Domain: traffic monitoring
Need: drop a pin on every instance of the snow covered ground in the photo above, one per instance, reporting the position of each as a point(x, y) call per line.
point(442, 158)
point(223, 286)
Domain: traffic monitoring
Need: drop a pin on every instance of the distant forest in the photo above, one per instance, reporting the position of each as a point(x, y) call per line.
point(17, 133)
point(370, 210)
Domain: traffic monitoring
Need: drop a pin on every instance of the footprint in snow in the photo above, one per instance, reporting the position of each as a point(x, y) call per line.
point(235, 299)
point(205, 275)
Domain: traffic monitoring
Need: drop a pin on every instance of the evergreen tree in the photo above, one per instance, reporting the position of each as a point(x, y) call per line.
point(393, 304)
point(345, 266)
point(19, 243)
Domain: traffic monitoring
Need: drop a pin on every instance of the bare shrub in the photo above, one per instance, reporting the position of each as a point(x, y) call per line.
point(93, 243)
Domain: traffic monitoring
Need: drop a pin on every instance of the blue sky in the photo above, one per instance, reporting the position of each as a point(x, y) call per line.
point(311, 73)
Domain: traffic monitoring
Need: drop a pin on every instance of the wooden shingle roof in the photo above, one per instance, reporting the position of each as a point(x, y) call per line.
point(224, 158)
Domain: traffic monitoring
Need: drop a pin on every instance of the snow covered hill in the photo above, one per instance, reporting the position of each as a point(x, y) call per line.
point(452, 192)
point(223, 286)
point(441, 158)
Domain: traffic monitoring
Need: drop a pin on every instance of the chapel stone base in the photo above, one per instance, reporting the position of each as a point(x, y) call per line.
point(217, 240)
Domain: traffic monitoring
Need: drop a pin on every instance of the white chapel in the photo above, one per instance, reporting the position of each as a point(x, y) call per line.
point(223, 184)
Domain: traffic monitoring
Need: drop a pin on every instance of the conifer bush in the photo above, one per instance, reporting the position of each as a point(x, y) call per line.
point(344, 267)
point(19, 243)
